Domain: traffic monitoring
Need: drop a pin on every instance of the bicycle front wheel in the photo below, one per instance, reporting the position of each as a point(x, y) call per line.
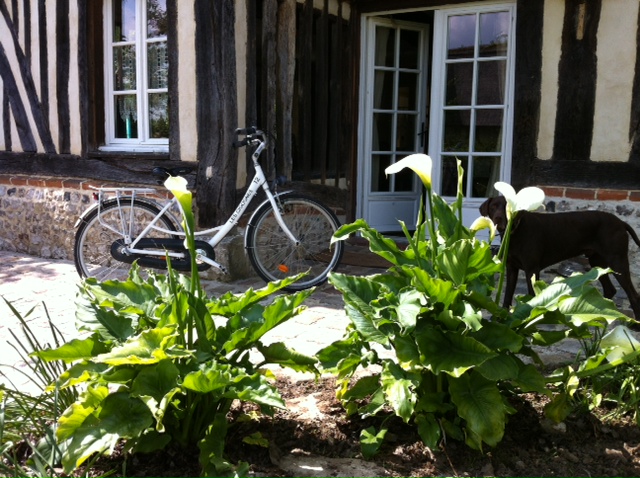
point(99, 230)
point(275, 257)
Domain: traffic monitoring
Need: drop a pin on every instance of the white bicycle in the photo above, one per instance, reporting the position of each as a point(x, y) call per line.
point(286, 235)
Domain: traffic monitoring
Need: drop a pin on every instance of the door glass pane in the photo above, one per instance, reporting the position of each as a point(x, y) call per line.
point(382, 130)
point(408, 91)
point(406, 133)
point(159, 115)
point(450, 175)
point(380, 182)
point(126, 116)
point(456, 130)
point(156, 18)
point(459, 84)
point(486, 172)
point(124, 20)
point(404, 181)
point(494, 34)
point(409, 49)
point(488, 131)
point(462, 36)
point(491, 82)
point(124, 68)
point(385, 46)
point(158, 65)
point(383, 90)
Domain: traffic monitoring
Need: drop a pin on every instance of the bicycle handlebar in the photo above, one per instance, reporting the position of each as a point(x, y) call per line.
point(249, 132)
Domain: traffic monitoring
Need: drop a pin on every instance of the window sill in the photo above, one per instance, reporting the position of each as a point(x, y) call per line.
point(122, 154)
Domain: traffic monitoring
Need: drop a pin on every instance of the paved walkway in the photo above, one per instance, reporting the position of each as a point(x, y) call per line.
point(39, 288)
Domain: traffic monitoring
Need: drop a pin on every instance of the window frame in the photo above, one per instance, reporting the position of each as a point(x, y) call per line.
point(143, 143)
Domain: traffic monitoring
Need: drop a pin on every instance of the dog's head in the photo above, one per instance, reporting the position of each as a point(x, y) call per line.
point(496, 210)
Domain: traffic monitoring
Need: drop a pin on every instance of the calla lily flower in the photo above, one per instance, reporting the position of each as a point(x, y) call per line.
point(622, 341)
point(484, 223)
point(421, 164)
point(178, 187)
point(527, 199)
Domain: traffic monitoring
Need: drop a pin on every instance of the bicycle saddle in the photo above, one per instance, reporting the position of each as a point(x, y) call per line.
point(164, 173)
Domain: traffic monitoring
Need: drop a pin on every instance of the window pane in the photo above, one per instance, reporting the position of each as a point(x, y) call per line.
point(126, 116)
point(486, 172)
point(462, 36)
point(404, 180)
point(450, 176)
point(409, 49)
point(459, 84)
point(494, 34)
point(383, 90)
point(456, 130)
point(382, 129)
point(158, 115)
point(156, 18)
point(124, 68)
point(385, 46)
point(379, 180)
point(408, 91)
point(157, 65)
point(406, 133)
point(124, 20)
point(488, 131)
point(491, 78)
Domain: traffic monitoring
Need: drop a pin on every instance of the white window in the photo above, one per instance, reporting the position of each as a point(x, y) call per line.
point(136, 75)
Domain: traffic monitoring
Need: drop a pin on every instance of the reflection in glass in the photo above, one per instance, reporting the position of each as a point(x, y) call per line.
point(158, 65)
point(488, 131)
point(462, 36)
point(408, 91)
point(126, 117)
point(409, 49)
point(124, 68)
point(124, 20)
point(380, 182)
point(383, 90)
point(158, 115)
point(491, 78)
point(385, 46)
point(382, 130)
point(494, 34)
point(449, 185)
point(156, 18)
point(459, 84)
point(456, 130)
point(486, 172)
point(406, 134)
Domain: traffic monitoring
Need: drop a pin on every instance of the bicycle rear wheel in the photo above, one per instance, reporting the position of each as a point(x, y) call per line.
point(98, 232)
point(275, 257)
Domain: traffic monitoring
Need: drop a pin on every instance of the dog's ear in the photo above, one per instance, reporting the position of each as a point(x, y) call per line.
point(484, 207)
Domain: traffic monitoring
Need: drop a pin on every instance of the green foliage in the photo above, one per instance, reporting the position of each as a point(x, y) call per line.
point(447, 356)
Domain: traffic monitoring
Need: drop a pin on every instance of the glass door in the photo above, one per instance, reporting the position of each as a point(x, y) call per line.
point(393, 112)
point(471, 101)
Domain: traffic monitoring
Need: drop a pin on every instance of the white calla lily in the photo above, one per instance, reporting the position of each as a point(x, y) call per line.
point(622, 341)
point(421, 164)
point(484, 222)
point(527, 199)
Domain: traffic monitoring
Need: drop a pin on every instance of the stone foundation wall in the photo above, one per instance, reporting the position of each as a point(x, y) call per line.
point(38, 216)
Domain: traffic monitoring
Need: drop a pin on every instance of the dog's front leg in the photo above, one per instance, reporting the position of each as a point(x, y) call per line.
point(512, 279)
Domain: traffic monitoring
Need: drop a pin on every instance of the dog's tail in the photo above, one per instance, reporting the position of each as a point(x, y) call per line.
point(632, 233)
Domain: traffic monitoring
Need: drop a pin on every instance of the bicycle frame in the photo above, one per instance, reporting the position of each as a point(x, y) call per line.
point(219, 232)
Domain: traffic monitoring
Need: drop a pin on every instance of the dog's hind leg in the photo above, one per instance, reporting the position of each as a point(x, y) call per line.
point(608, 289)
point(510, 289)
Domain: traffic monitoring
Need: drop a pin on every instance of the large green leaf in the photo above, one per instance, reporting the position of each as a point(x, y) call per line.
point(371, 441)
point(155, 380)
point(428, 429)
point(119, 417)
point(279, 353)
point(111, 325)
point(131, 297)
point(76, 349)
point(453, 262)
point(399, 390)
point(451, 352)
point(151, 346)
point(380, 245)
point(479, 403)
point(498, 336)
point(590, 307)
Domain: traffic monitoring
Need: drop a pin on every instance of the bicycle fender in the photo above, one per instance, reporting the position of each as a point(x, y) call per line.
point(266, 201)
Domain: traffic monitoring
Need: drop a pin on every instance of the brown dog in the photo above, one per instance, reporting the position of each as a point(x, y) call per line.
point(539, 240)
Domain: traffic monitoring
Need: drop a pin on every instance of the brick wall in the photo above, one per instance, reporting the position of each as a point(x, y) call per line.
point(38, 216)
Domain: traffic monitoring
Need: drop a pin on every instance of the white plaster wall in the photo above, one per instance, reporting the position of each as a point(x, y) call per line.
point(551, 41)
point(616, 64)
point(187, 81)
point(50, 8)
point(74, 82)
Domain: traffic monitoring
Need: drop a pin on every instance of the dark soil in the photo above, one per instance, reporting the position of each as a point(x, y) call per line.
point(586, 447)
